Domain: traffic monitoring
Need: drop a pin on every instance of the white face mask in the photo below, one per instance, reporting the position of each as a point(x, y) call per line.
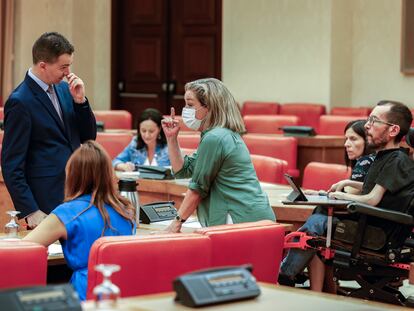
point(189, 118)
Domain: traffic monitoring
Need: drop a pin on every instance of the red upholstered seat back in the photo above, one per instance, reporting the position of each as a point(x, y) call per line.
point(189, 141)
point(283, 148)
point(257, 243)
point(22, 264)
point(149, 264)
point(257, 107)
point(269, 169)
point(362, 112)
point(114, 143)
point(320, 176)
point(114, 119)
point(268, 124)
point(334, 125)
point(308, 113)
point(1, 112)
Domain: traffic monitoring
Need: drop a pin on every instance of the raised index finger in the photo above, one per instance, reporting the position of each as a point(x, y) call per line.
point(172, 113)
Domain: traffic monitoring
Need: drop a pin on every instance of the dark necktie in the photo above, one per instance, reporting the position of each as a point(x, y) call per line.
point(55, 101)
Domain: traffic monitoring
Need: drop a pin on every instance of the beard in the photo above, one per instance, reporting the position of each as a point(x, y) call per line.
point(379, 143)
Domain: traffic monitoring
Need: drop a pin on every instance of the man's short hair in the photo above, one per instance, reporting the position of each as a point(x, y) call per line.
point(398, 114)
point(50, 46)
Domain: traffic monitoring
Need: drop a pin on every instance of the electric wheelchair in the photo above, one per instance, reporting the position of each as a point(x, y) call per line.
point(377, 260)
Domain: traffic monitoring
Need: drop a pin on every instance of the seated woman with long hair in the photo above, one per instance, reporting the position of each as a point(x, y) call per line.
point(92, 208)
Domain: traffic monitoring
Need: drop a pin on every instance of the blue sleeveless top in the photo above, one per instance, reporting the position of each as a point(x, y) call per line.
point(82, 231)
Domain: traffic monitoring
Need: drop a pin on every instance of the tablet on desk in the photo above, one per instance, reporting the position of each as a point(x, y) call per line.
point(298, 197)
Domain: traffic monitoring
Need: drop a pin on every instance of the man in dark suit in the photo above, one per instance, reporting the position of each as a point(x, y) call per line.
point(45, 120)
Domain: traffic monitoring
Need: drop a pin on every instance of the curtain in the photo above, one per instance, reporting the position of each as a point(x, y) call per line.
point(6, 48)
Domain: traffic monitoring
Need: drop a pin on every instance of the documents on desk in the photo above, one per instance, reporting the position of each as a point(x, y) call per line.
point(129, 175)
point(55, 250)
point(191, 222)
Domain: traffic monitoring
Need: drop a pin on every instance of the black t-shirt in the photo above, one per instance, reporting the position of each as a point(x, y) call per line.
point(393, 170)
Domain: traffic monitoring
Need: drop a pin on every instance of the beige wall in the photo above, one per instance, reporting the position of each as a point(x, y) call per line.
point(277, 49)
point(376, 54)
point(85, 23)
point(337, 52)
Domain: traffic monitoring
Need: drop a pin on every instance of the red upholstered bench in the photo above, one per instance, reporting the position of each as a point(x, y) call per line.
point(283, 148)
point(321, 176)
point(22, 264)
point(114, 119)
point(258, 243)
point(334, 125)
point(114, 143)
point(308, 113)
point(360, 112)
point(269, 169)
point(259, 108)
point(150, 263)
point(268, 124)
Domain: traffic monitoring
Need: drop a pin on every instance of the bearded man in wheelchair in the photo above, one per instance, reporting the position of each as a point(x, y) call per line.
point(370, 241)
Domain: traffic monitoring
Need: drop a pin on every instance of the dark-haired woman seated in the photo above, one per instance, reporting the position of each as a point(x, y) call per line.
point(360, 158)
point(92, 208)
point(149, 147)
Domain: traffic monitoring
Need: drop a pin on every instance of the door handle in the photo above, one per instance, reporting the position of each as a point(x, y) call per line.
point(171, 87)
point(120, 86)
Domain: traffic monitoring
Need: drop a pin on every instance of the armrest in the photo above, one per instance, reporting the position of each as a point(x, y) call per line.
point(379, 212)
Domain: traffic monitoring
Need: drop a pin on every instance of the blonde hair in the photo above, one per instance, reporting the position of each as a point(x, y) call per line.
point(89, 171)
point(223, 110)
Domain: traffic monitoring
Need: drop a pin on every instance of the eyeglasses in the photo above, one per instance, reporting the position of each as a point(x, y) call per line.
point(371, 120)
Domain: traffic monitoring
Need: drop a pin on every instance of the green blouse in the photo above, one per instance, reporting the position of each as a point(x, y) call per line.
point(222, 173)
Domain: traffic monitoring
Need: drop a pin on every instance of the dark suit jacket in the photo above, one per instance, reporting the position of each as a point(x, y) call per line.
point(36, 145)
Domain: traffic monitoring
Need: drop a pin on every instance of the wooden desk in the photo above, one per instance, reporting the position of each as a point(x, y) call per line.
point(166, 190)
point(272, 298)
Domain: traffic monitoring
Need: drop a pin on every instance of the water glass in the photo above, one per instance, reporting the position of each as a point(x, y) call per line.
point(12, 227)
point(107, 293)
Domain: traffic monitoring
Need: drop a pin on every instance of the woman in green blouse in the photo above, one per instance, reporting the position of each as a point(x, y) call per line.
point(224, 187)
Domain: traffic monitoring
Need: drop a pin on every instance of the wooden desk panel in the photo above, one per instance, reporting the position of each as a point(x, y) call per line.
point(272, 297)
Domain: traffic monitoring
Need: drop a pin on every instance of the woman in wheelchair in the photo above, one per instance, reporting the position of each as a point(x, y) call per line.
point(360, 158)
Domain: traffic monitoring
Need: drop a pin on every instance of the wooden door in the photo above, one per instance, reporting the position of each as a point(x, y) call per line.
point(195, 45)
point(158, 46)
point(139, 55)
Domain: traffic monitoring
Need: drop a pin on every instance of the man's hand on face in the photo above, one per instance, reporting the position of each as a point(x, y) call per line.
point(76, 88)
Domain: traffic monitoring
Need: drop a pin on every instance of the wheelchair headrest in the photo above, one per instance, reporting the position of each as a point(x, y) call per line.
point(370, 210)
point(409, 138)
